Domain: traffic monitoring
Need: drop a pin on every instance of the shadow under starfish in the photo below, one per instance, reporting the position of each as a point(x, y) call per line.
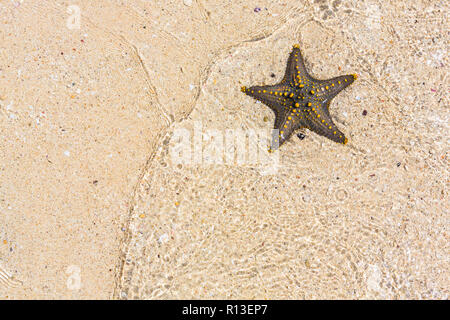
point(300, 101)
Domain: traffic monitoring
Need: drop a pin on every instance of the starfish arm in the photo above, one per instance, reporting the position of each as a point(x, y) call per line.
point(276, 96)
point(296, 72)
point(285, 123)
point(319, 120)
point(328, 89)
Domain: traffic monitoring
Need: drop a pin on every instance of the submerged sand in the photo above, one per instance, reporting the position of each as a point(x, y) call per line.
point(93, 205)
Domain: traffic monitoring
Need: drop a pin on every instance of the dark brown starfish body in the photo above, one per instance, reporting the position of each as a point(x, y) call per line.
point(300, 101)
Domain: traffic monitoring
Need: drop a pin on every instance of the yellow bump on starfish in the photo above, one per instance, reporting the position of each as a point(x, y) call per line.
point(296, 46)
point(243, 88)
point(297, 104)
point(355, 76)
point(345, 141)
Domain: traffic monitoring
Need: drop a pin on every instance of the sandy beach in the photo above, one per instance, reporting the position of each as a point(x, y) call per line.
point(98, 99)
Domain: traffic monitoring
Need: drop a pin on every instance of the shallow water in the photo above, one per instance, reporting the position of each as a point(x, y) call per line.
point(366, 220)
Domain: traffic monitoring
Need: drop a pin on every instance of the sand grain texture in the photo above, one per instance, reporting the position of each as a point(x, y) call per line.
point(88, 119)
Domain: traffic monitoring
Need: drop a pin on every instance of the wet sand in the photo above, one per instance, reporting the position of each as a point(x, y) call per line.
point(93, 205)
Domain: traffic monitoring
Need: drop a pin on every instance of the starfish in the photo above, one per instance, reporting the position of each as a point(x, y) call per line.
point(301, 101)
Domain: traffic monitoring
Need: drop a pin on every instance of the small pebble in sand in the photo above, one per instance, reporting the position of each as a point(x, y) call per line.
point(301, 136)
point(187, 2)
point(364, 113)
point(163, 238)
point(257, 9)
point(67, 153)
